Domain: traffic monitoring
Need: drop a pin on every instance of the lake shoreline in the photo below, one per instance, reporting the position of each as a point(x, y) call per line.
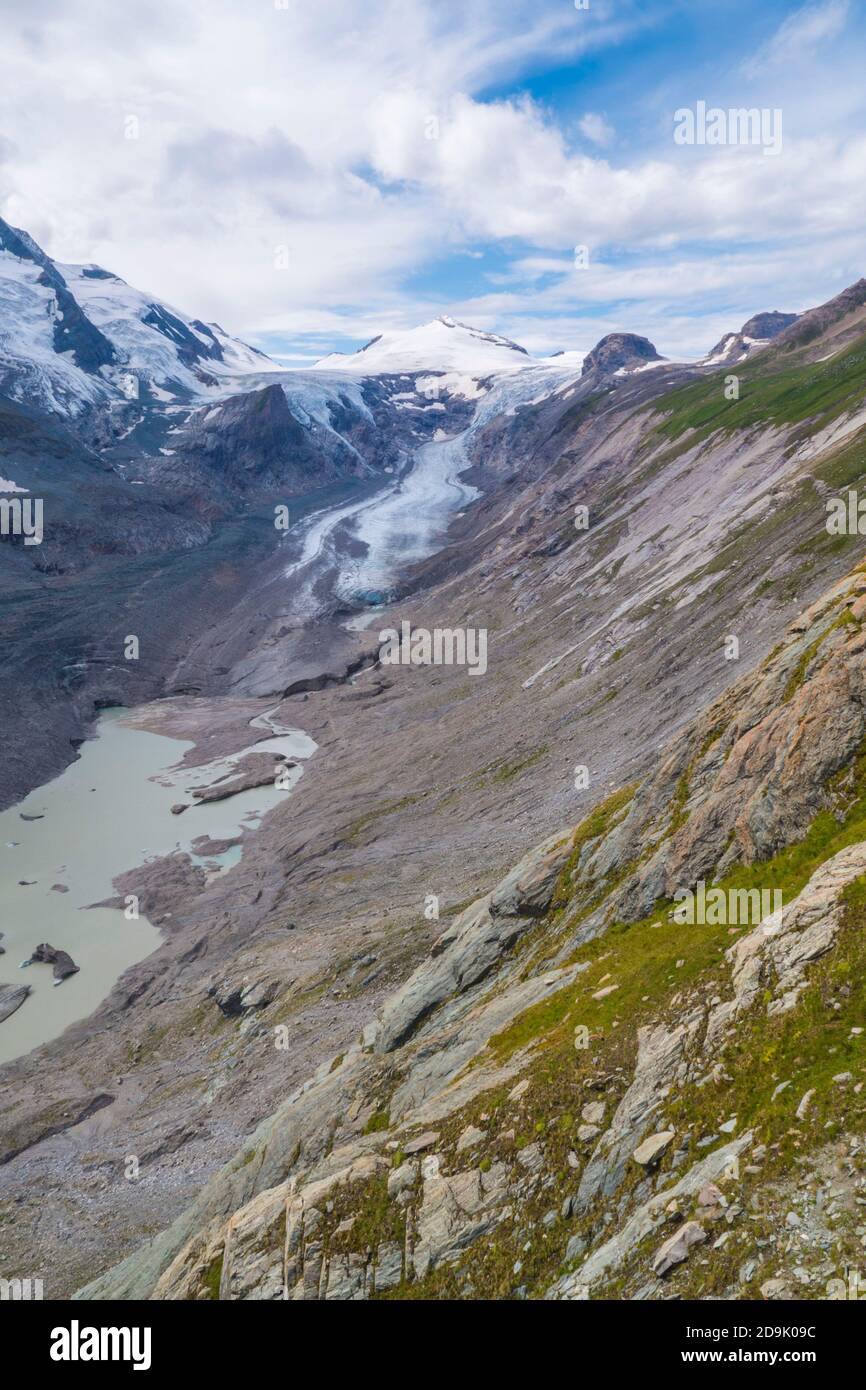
point(127, 899)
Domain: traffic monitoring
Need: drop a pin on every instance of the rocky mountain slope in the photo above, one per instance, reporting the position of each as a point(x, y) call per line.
point(577, 1096)
point(630, 522)
point(755, 334)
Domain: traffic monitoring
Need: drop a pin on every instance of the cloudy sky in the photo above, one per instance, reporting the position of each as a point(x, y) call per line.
point(309, 172)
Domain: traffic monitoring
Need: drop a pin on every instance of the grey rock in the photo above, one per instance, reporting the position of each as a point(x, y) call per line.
point(236, 997)
point(575, 1248)
point(420, 1143)
point(11, 998)
point(677, 1247)
point(776, 1289)
point(475, 942)
point(389, 1266)
point(470, 1138)
point(402, 1178)
point(643, 1221)
point(531, 1158)
point(454, 1212)
point(651, 1150)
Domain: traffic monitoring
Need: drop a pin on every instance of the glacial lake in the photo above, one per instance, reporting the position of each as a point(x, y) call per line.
point(108, 812)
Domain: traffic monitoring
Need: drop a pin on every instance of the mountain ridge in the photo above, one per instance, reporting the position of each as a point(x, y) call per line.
point(121, 341)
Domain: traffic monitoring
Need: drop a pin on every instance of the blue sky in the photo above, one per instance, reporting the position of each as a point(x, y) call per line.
point(309, 175)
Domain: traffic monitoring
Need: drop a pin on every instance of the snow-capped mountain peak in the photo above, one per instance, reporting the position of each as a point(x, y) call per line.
point(75, 335)
point(443, 346)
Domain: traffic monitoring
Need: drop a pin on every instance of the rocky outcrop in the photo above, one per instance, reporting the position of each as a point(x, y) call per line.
point(756, 333)
point(619, 352)
point(771, 961)
point(811, 325)
point(475, 942)
point(646, 1219)
point(749, 776)
point(253, 440)
point(11, 998)
point(660, 1061)
point(236, 997)
point(64, 965)
point(455, 1211)
point(767, 325)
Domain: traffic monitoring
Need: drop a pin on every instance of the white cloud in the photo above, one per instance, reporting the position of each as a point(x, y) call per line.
point(310, 128)
point(797, 36)
point(597, 129)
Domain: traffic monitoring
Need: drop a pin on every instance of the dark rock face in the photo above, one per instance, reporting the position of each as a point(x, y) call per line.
point(34, 1128)
point(234, 997)
point(190, 349)
point(73, 331)
point(64, 965)
point(814, 322)
point(759, 328)
point(620, 350)
point(768, 325)
point(254, 440)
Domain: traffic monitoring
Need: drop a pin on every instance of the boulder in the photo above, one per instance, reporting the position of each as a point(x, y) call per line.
point(420, 1143)
point(234, 997)
point(711, 1196)
point(456, 1210)
point(651, 1150)
point(677, 1247)
point(64, 965)
point(527, 890)
point(11, 998)
point(402, 1178)
point(470, 1138)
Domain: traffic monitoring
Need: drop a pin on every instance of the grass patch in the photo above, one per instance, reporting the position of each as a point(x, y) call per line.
point(378, 1122)
point(770, 393)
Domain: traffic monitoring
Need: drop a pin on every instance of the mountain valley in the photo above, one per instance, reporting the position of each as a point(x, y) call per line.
point(349, 1068)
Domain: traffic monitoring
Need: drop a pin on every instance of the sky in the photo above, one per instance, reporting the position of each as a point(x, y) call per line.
point(309, 173)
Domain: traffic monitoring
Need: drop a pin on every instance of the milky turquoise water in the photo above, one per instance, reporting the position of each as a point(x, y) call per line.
point(108, 812)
